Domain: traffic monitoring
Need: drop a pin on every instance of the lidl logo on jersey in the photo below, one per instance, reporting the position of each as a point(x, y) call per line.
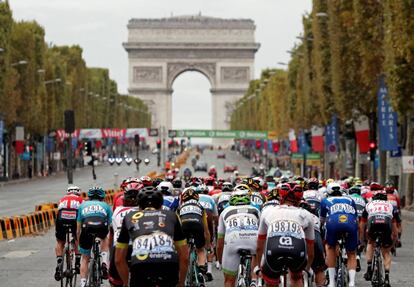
point(93, 209)
point(342, 207)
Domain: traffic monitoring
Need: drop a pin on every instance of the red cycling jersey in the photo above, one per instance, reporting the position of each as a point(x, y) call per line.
point(394, 199)
point(70, 201)
point(118, 200)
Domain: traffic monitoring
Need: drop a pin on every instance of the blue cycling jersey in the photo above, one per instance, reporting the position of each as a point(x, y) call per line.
point(208, 203)
point(170, 203)
point(94, 208)
point(335, 206)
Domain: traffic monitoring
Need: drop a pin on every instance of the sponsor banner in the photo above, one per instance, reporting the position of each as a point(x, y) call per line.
point(387, 120)
point(317, 139)
point(362, 133)
point(230, 134)
point(61, 135)
point(332, 136)
point(90, 134)
point(142, 132)
point(113, 133)
point(408, 164)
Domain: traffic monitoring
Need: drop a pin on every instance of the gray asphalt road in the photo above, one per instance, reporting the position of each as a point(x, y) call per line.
point(30, 261)
point(20, 198)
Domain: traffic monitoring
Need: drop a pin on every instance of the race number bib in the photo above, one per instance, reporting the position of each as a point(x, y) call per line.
point(242, 222)
point(157, 242)
point(191, 209)
point(286, 228)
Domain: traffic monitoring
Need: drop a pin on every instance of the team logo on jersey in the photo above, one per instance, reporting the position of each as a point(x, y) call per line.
point(285, 241)
point(142, 257)
point(136, 217)
point(343, 218)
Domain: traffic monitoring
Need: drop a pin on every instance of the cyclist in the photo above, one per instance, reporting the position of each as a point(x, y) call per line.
point(256, 197)
point(209, 205)
point(341, 217)
point(118, 199)
point(67, 213)
point(194, 222)
point(272, 198)
point(170, 202)
point(130, 202)
point(237, 230)
point(312, 195)
point(94, 216)
point(159, 249)
point(223, 200)
point(318, 264)
point(382, 218)
point(394, 198)
point(286, 238)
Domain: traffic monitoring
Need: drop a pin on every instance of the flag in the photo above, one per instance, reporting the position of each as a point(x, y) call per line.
point(387, 120)
point(362, 133)
point(292, 141)
point(317, 139)
point(303, 145)
point(332, 136)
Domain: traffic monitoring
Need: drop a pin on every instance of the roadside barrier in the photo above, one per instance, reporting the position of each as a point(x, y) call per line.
point(42, 219)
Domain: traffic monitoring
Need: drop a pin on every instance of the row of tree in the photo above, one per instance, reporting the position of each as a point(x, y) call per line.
point(39, 81)
point(345, 48)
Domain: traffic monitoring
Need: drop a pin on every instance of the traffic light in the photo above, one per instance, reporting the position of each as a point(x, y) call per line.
point(158, 144)
point(88, 148)
point(372, 150)
point(136, 138)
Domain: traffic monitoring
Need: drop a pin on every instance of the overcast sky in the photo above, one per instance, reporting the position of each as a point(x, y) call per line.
point(99, 27)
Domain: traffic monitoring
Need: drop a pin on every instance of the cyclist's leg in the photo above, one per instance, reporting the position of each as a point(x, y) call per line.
point(351, 246)
point(387, 244)
point(296, 279)
point(370, 250)
point(318, 264)
point(230, 264)
point(104, 248)
point(85, 245)
point(60, 234)
point(210, 254)
point(331, 240)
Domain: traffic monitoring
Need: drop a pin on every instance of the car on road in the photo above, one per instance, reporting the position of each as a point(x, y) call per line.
point(221, 155)
point(230, 168)
point(200, 166)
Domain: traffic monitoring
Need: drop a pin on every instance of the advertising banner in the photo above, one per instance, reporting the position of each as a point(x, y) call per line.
point(387, 120)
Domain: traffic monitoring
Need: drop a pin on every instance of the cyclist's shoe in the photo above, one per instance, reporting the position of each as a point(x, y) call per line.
point(387, 282)
point(105, 273)
point(77, 269)
point(58, 274)
point(218, 265)
point(77, 264)
point(368, 275)
point(209, 276)
point(253, 283)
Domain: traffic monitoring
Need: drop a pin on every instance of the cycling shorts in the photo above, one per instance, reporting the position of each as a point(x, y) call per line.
point(231, 257)
point(164, 274)
point(92, 226)
point(65, 219)
point(196, 230)
point(334, 230)
point(381, 227)
point(283, 252)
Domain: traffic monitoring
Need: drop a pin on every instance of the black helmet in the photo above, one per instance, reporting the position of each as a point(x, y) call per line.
point(177, 183)
point(150, 197)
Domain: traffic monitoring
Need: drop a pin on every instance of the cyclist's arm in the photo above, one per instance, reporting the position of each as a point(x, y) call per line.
point(206, 230)
point(310, 241)
point(220, 238)
point(121, 252)
point(261, 238)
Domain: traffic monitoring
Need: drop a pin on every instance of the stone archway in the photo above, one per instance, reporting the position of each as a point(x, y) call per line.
point(161, 49)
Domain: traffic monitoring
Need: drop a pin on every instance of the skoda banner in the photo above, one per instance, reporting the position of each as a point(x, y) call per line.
point(227, 134)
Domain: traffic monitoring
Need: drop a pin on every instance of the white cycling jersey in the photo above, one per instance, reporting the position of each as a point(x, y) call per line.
point(118, 216)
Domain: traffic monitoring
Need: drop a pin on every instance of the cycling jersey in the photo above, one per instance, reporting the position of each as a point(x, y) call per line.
point(342, 219)
point(360, 203)
point(118, 200)
point(154, 235)
point(257, 199)
point(223, 201)
point(238, 226)
point(94, 209)
point(193, 219)
point(313, 198)
point(286, 230)
point(208, 203)
point(170, 203)
point(394, 199)
point(117, 218)
point(66, 216)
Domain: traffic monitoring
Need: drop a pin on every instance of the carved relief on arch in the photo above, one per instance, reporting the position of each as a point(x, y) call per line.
point(207, 69)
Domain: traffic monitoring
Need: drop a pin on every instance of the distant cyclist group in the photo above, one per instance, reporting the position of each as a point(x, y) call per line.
point(259, 231)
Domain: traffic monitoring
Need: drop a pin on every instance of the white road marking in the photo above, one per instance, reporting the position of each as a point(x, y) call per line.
point(19, 254)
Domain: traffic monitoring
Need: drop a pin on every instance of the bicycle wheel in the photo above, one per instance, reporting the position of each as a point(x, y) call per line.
point(247, 271)
point(340, 280)
point(68, 268)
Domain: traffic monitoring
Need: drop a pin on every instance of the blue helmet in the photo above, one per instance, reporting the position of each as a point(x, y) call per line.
point(96, 192)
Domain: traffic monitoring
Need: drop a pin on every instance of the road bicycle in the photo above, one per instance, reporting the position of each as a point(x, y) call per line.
point(377, 264)
point(193, 278)
point(341, 260)
point(95, 267)
point(67, 268)
point(244, 275)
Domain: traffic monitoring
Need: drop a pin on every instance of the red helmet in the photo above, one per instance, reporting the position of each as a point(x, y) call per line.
point(390, 189)
point(291, 191)
point(375, 186)
point(131, 191)
point(380, 195)
point(209, 180)
point(128, 181)
point(146, 180)
point(313, 183)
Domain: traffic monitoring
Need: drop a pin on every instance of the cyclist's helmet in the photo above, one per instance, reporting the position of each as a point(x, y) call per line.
point(124, 183)
point(273, 194)
point(356, 189)
point(150, 197)
point(239, 198)
point(189, 194)
point(380, 195)
point(169, 176)
point(329, 180)
point(156, 181)
point(305, 205)
point(251, 183)
point(313, 183)
point(291, 192)
point(165, 187)
point(209, 180)
point(284, 179)
point(177, 183)
point(375, 186)
point(334, 189)
point(131, 192)
point(146, 180)
point(227, 187)
point(202, 189)
point(96, 192)
point(73, 189)
point(389, 186)
point(242, 187)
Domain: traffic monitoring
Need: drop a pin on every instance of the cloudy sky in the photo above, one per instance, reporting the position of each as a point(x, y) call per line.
point(99, 27)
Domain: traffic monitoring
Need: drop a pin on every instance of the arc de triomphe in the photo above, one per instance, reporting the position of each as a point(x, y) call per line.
point(161, 49)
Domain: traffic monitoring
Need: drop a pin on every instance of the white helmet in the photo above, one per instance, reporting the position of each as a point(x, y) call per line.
point(333, 187)
point(73, 189)
point(165, 187)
